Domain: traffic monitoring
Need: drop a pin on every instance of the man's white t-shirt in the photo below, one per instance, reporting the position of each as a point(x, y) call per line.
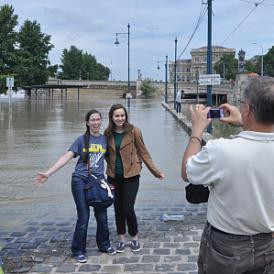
point(240, 173)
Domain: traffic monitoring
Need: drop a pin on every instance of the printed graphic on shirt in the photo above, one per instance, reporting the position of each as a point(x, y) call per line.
point(96, 152)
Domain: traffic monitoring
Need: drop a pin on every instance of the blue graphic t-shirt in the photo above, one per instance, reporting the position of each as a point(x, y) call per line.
point(97, 149)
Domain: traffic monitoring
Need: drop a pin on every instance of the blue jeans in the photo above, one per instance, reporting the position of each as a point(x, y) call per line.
point(178, 107)
point(83, 212)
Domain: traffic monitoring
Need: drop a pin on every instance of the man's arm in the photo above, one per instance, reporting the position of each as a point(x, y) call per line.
point(193, 147)
point(199, 123)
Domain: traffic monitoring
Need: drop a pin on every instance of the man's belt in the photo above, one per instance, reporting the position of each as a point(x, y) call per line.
point(259, 235)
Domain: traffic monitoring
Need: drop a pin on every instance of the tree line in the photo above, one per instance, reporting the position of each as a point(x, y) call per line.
point(24, 55)
point(79, 65)
point(227, 67)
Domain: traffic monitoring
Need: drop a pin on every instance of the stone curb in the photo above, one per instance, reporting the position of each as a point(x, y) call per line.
point(185, 123)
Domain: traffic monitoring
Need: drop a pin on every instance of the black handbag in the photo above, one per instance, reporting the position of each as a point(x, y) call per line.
point(196, 194)
point(99, 193)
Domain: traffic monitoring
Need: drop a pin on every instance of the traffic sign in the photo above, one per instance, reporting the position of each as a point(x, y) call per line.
point(209, 79)
point(10, 82)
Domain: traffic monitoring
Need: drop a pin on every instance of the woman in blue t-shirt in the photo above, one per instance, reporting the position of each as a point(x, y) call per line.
point(91, 148)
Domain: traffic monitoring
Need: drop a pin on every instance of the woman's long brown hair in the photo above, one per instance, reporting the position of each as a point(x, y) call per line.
point(111, 126)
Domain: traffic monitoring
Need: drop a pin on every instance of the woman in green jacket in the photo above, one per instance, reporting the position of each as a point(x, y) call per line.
point(126, 152)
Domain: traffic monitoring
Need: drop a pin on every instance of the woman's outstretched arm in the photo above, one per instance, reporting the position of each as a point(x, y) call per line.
point(42, 177)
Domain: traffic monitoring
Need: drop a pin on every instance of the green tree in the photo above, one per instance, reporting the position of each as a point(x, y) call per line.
point(88, 67)
point(103, 72)
point(228, 66)
point(147, 88)
point(52, 70)
point(32, 56)
point(8, 36)
point(8, 21)
point(76, 65)
point(269, 62)
point(250, 67)
point(71, 63)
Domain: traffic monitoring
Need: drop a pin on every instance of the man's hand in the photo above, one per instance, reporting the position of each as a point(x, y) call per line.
point(234, 116)
point(199, 119)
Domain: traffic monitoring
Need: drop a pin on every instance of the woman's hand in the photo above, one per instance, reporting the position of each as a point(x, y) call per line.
point(162, 176)
point(40, 178)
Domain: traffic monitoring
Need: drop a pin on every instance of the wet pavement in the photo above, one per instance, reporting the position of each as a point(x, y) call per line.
point(167, 247)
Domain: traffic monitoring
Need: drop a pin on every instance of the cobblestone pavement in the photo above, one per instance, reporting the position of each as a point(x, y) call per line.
point(167, 247)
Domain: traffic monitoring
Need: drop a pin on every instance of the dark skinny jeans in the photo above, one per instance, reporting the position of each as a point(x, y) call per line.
point(83, 213)
point(178, 107)
point(125, 195)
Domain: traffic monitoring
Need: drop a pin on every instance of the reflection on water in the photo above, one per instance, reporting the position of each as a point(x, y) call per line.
point(224, 130)
point(34, 133)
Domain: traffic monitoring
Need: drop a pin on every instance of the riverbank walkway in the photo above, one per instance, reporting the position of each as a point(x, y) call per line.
point(168, 246)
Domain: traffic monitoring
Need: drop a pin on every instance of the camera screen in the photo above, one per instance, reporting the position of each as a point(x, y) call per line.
point(216, 113)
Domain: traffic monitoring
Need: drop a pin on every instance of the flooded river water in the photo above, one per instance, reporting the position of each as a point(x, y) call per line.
point(34, 133)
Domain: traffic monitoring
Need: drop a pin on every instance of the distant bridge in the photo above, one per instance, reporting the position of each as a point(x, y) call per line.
point(49, 89)
point(119, 88)
point(109, 85)
point(59, 88)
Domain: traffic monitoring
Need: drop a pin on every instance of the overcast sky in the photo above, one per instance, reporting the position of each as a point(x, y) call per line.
point(90, 25)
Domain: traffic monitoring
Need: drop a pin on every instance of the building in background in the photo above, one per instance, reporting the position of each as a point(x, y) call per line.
point(188, 70)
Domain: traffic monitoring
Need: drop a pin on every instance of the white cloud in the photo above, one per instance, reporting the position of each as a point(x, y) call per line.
point(90, 25)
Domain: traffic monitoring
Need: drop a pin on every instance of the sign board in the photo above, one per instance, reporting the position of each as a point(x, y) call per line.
point(209, 79)
point(10, 82)
point(128, 95)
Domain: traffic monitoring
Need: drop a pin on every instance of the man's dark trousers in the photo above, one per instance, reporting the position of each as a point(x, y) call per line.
point(223, 253)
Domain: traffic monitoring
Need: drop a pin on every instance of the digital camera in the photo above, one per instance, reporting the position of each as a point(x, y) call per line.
point(215, 113)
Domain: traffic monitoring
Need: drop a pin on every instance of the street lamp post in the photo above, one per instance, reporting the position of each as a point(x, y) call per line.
point(110, 70)
point(175, 74)
point(262, 58)
point(166, 83)
point(197, 84)
point(209, 56)
point(224, 71)
point(128, 95)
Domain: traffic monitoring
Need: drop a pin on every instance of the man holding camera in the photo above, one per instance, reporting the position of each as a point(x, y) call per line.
point(238, 235)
